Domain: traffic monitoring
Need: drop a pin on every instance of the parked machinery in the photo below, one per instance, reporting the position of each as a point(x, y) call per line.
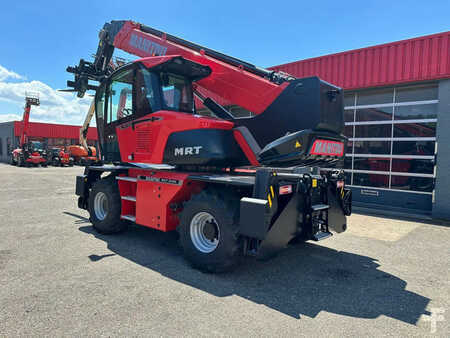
point(29, 152)
point(81, 155)
point(59, 157)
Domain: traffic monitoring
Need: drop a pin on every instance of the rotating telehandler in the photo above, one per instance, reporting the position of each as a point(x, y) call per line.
point(230, 186)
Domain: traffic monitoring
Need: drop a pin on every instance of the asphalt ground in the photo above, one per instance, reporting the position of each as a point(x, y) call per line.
point(58, 277)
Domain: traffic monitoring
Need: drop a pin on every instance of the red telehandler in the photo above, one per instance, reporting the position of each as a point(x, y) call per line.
point(173, 169)
point(29, 152)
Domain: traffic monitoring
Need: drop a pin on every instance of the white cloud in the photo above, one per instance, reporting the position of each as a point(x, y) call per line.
point(56, 107)
point(9, 117)
point(7, 74)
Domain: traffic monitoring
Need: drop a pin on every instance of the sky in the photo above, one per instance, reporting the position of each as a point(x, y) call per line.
point(39, 39)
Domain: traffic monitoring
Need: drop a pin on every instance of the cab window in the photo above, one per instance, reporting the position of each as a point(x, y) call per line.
point(176, 93)
point(120, 96)
point(146, 100)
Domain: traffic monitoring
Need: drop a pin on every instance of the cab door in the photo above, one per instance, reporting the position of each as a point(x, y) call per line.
point(145, 126)
point(130, 131)
point(118, 113)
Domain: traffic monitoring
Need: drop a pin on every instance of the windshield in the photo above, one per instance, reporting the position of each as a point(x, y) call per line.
point(36, 145)
point(176, 93)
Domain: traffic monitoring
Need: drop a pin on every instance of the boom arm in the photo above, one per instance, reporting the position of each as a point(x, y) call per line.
point(25, 119)
point(234, 80)
point(85, 127)
point(31, 99)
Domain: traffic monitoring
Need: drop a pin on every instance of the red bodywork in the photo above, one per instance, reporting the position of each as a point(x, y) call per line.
point(148, 140)
point(64, 157)
point(26, 122)
point(166, 197)
point(34, 158)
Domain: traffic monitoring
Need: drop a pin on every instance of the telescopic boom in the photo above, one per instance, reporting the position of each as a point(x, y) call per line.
point(236, 81)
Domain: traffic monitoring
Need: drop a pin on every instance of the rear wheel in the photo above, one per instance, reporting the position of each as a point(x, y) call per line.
point(209, 231)
point(105, 207)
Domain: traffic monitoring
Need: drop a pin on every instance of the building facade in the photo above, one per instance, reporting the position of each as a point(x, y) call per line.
point(397, 118)
point(53, 135)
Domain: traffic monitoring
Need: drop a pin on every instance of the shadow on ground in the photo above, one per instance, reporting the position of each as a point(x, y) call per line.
point(302, 280)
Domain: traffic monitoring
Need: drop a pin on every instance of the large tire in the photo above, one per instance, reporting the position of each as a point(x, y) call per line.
point(220, 248)
point(105, 211)
point(20, 161)
point(12, 161)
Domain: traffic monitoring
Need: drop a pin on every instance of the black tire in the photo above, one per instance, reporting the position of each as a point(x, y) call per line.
point(111, 223)
point(225, 209)
point(12, 161)
point(20, 161)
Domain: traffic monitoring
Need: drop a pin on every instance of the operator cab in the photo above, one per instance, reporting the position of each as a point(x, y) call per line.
point(35, 146)
point(143, 87)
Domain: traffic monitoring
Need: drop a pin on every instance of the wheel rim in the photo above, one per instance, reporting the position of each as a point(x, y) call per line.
point(100, 206)
point(205, 233)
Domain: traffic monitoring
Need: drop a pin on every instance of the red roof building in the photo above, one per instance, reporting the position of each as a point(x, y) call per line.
point(414, 60)
point(55, 131)
point(397, 117)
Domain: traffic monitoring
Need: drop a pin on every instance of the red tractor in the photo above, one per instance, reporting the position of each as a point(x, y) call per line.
point(230, 187)
point(29, 152)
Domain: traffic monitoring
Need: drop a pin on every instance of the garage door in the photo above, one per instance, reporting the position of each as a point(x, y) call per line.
point(391, 153)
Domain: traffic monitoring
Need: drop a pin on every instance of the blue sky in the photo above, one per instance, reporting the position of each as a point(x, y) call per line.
point(41, 38)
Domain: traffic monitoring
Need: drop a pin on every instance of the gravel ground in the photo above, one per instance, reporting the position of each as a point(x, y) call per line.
point(58, 277)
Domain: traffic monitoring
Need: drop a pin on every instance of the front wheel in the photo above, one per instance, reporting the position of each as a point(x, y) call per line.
point(209, 231)
point(105, 207)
